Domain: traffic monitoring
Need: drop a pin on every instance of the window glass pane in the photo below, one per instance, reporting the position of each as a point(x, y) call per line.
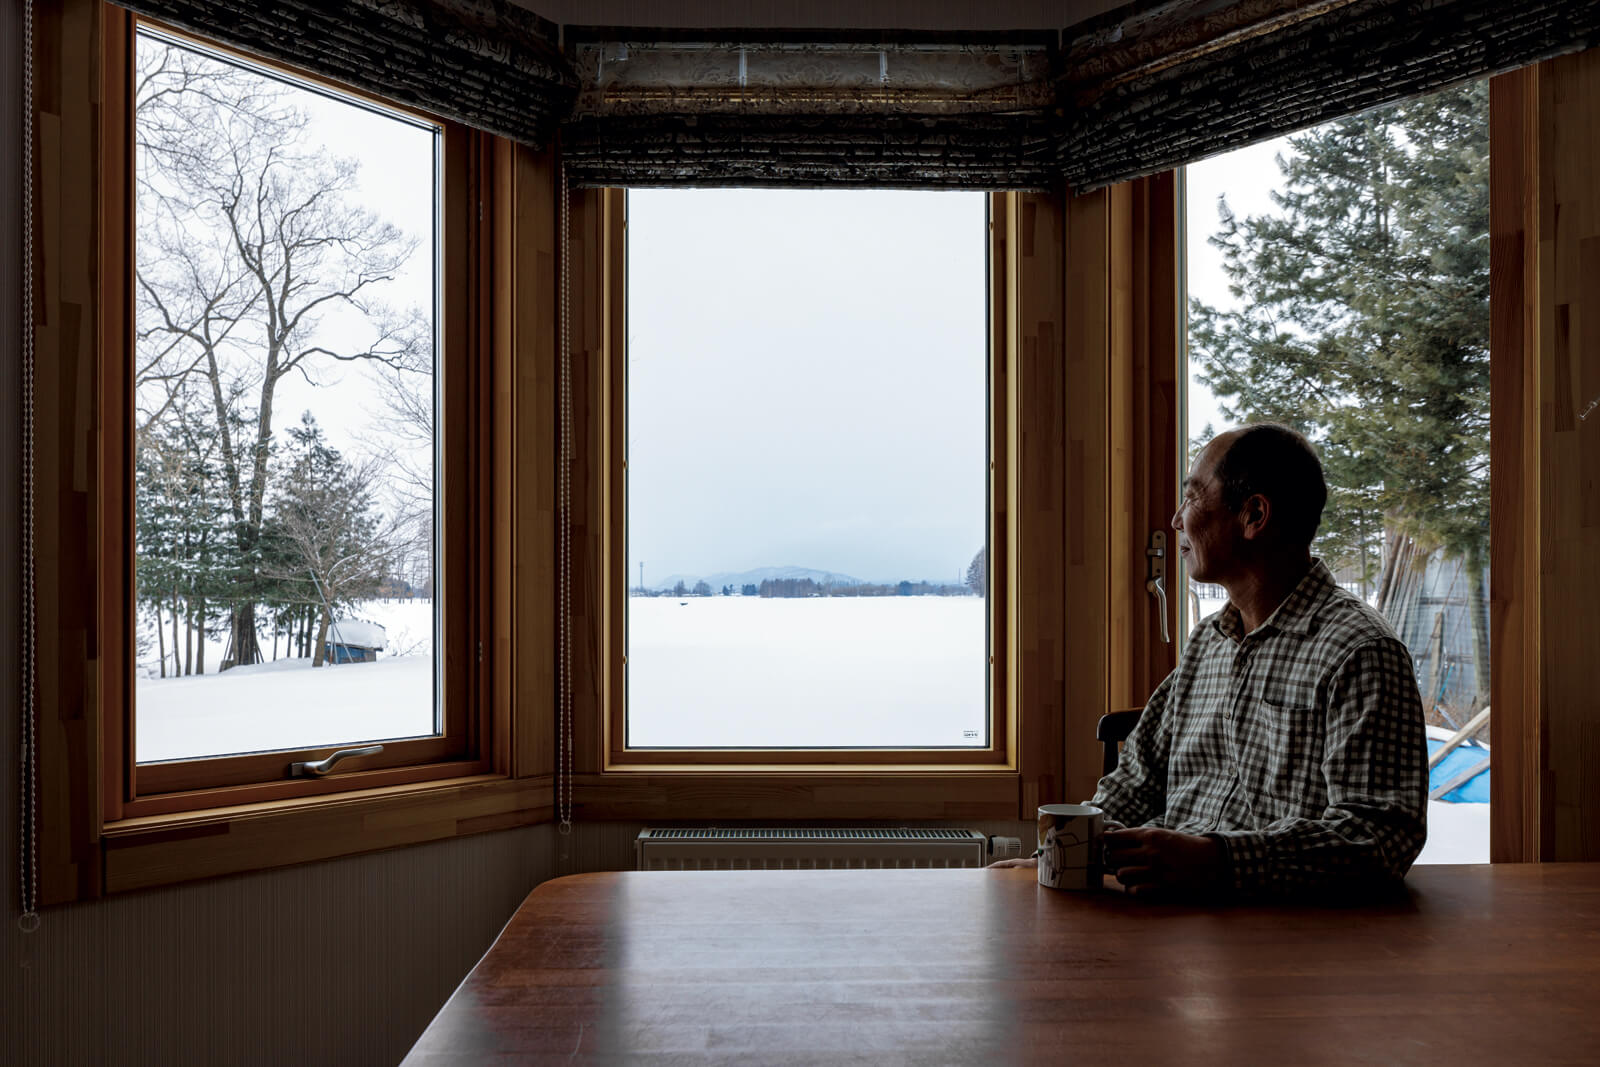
point(1338, 281)
point(807, 469)
point(284, 399)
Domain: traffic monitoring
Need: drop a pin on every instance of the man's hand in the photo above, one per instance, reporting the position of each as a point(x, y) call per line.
point(1032, 861)
point(1152, 860)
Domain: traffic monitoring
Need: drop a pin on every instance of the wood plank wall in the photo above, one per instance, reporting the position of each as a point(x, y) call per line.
point(1515, 727)
point(65, 315)
point(1089, 335)
point(1569, 446)
point(1038, 451)
point(1545, 435)
point(1145, 452)
point(525, 521)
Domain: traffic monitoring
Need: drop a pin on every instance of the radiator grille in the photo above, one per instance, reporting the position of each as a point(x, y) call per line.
point(788, 848)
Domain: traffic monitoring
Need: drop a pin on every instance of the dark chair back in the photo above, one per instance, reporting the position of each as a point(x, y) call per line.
point(1114, 728)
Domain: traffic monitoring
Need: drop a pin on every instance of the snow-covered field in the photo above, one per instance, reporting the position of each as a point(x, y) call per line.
point(823, 672)
point(711, 671)
point(285, 704)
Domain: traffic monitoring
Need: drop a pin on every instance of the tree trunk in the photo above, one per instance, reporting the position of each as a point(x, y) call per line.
point(319, 650)
point(1478, 609)
point(177, 662)
point(1391, 556)
point(161, 640)
point(200, 625)
point(242, 634)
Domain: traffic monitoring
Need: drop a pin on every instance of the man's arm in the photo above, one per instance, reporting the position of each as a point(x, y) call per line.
point(1375, 767)
point(1135, 792)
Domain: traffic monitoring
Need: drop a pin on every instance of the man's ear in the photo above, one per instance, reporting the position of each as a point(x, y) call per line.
point(1254, 516)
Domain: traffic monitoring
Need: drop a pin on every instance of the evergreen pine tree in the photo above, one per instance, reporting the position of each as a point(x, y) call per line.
point(1363, 322)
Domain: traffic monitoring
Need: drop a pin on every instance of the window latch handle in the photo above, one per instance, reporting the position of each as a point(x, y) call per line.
point(1155, 583)
point(321, 767)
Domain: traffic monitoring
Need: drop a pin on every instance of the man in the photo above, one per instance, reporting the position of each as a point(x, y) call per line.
point(1286, 753)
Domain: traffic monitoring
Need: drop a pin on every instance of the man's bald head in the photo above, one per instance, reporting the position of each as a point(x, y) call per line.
point(1280, 464)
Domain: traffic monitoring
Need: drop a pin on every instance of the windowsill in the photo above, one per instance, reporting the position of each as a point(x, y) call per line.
point(156, 850)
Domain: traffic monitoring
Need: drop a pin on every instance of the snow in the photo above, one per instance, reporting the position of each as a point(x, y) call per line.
point(1457, 833)
point(358, 633)
point(288, 704)
point(807, 672)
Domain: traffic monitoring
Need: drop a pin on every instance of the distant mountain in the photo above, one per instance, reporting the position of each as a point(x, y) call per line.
point(754, 577)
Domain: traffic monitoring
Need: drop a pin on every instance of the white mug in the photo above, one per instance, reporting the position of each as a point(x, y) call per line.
point(1070, 840)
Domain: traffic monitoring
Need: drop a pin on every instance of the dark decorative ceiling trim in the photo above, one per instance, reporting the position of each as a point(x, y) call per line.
point(735, 109)
point(1148, 87)
point(1151, 111)
point(1148, 36)
point(486, 63)
point(890, 151)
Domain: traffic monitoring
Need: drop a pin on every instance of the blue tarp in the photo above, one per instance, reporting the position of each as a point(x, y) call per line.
point(1462, 758)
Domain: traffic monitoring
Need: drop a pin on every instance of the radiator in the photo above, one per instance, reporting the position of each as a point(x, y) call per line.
point(713, 849)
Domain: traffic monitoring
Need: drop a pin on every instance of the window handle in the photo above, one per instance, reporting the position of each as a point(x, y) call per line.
point(1155, 581)
point(323, 766)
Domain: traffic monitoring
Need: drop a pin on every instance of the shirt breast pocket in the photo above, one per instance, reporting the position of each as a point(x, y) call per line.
point(1285, 742)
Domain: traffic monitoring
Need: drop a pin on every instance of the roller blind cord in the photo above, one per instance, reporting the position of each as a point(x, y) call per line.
point(564, 534)
point(28, 921)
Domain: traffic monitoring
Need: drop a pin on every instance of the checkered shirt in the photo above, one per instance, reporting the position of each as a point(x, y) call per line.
point(1300, 746)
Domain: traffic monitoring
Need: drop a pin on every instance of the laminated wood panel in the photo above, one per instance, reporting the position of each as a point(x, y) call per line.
point(1144, 451)
point(1037, 314)
point(595, 299)
point(1569, 448)
point(1515, 811)
point(65, 318)
point(526, 312)
point(1545, 474)
point(1086, 558)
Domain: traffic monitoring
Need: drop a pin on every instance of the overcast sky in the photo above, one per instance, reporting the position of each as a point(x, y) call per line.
point(1246, 178)
point(807, 382)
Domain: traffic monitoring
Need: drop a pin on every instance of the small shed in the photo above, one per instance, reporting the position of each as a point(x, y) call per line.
point(355, 641)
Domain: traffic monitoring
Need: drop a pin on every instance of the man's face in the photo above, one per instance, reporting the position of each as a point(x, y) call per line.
point(1209, 535)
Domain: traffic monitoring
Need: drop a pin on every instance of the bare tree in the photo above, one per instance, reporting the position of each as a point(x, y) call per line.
point(256, 248)
point(407, 446)
point(324, 527)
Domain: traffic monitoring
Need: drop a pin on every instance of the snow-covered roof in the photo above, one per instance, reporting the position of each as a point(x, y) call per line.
point(357, 633)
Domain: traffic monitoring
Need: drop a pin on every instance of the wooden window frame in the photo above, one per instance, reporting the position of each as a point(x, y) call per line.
point(997, 755)
point(1062, 509)
point(103, 826)
point(134, 789)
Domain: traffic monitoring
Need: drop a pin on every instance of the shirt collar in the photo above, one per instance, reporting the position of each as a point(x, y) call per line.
point(1296, 612)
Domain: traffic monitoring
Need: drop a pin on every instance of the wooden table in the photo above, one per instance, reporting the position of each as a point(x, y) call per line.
point(1479, 965)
